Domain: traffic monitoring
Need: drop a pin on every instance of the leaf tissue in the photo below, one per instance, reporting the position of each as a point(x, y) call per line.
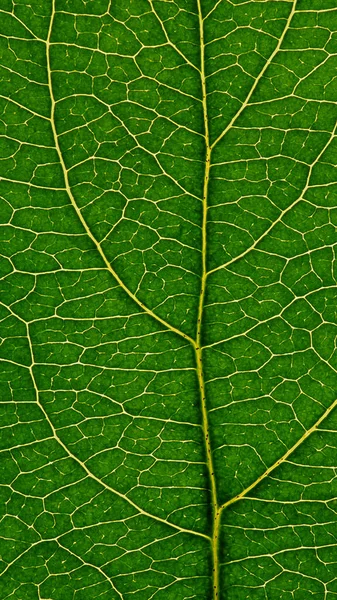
point(168, 363)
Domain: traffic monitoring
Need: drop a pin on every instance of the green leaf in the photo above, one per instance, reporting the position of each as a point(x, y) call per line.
point(168, 377)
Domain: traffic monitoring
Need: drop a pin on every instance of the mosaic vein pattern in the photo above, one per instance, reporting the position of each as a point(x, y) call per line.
point(168, 219)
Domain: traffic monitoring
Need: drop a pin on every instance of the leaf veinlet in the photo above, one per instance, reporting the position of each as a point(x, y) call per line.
point(173, 442)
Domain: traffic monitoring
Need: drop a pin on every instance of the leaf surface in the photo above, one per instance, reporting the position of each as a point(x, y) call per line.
point(168, 299)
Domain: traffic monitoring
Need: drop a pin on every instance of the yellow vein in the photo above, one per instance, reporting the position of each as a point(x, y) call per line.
point(24, 25)
point(198, 346)
point(10, 100)
point(77, 210)
point(259, 77)
point(57, 541)
point(88, 564)
point(282, 459)
point(284, 212)
point(186, 60)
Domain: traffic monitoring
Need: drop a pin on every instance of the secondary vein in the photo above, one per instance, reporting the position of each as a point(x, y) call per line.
point(259, 77)
point(107, 263)
point(283, 458)
point(284, 212)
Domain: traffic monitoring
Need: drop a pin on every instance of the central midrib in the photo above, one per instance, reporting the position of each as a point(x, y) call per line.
point(216, 512)
point(216, 507)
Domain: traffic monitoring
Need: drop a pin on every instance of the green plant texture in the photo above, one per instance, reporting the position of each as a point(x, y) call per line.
point(168, 378)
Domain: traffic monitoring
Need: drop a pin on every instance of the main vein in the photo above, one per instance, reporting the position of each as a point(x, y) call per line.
point(216, 508)
point(198, 345)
